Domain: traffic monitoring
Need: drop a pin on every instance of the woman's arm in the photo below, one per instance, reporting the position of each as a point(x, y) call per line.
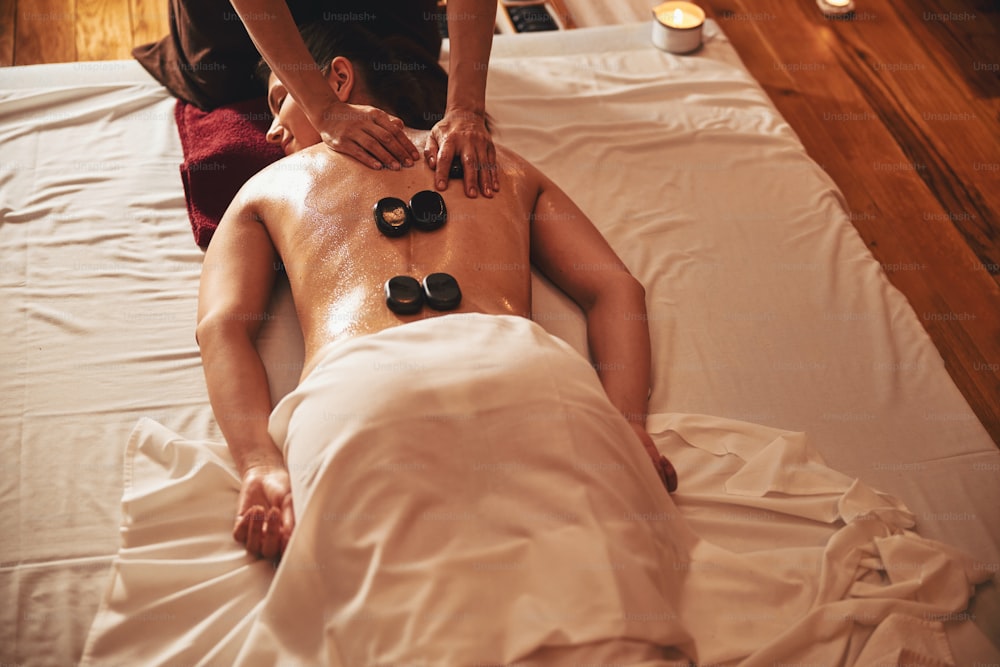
point(572, 253)
point(236, 281)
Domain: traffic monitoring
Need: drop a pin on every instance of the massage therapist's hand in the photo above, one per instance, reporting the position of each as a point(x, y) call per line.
point(463, 134)
point(265, 519)
point(663, 467)
point(369, 135)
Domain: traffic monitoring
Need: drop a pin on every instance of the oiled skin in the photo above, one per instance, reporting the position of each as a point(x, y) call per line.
point(317, 207)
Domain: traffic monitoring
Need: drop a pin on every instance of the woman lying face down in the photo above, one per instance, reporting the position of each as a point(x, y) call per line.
point(313, 213)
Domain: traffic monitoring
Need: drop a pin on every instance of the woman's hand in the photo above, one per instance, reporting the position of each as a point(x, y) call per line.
point(367, 134)
point(463, 134)
point(660, 462)
point(265, 517)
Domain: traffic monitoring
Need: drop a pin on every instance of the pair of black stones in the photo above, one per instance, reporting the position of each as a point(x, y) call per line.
point(426, 211)
point(405, 296)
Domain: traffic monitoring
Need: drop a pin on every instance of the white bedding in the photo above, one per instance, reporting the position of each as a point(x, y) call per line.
point(764, 305)
point(489, 505)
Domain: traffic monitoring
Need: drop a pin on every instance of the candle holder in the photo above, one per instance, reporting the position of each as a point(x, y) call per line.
point(677, 26)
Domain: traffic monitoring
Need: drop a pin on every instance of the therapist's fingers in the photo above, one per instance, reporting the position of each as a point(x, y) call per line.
point(483, 164)
point(442, 168)
point(369, 135)
point(368, 147)
point(388, 131)
point(374, 145)
point(353, 149)
point(406, 150)
point(470, 173)
point(478, 164)
point(489, 177)
point(431, 151)
point(480, 144)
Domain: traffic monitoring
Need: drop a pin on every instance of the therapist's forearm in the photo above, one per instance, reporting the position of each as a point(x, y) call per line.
point(273, 30)
point(470, 34)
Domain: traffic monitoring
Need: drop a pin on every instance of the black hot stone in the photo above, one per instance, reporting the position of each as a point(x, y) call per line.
point(427, 210)
point(403, 295)
point(392, 216)
point(442, 291)
point(456, 171)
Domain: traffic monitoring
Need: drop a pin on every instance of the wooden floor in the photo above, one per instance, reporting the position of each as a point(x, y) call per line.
point(900, 105)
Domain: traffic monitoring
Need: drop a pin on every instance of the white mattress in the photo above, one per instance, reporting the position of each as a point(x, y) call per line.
point(764, 304)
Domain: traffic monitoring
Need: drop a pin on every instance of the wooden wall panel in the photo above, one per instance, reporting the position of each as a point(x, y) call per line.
point(150, 21)
point(44, 32)
point(103, 30)
point(8, 13)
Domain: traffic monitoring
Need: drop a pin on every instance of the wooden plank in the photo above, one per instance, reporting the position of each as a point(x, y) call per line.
point(103, 30)
point(967, 35)
point(862, 125)
point(8, 19)
point(150, 21)
point(931, 112)
point(922, 102)
point(43, 32)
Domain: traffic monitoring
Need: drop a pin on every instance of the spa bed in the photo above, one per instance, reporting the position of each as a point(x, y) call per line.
point(771, 323)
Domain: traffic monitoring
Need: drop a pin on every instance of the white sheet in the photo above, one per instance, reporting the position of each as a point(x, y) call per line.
point(765, 306)
point(848, 584)
point(469, 507)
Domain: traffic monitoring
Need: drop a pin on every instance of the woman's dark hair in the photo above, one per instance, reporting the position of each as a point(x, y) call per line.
point(401, 77)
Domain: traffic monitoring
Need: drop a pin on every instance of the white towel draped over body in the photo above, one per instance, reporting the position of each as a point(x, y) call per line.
point(466, 495)
point(469, 495)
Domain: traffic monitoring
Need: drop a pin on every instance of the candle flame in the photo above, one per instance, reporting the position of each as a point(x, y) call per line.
point(680, 15)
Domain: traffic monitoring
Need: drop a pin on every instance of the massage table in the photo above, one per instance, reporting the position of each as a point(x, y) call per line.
point(775, 333)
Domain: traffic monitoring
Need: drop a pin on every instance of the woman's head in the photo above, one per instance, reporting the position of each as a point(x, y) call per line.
point(391, 73)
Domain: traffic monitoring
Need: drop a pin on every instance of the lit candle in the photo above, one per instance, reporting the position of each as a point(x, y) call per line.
point(677, 26)
point(835, 7)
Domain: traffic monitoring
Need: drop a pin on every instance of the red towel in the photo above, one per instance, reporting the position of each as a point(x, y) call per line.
point(222, 149)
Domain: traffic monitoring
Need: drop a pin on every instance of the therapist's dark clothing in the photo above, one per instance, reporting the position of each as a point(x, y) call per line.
point(209, 60)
